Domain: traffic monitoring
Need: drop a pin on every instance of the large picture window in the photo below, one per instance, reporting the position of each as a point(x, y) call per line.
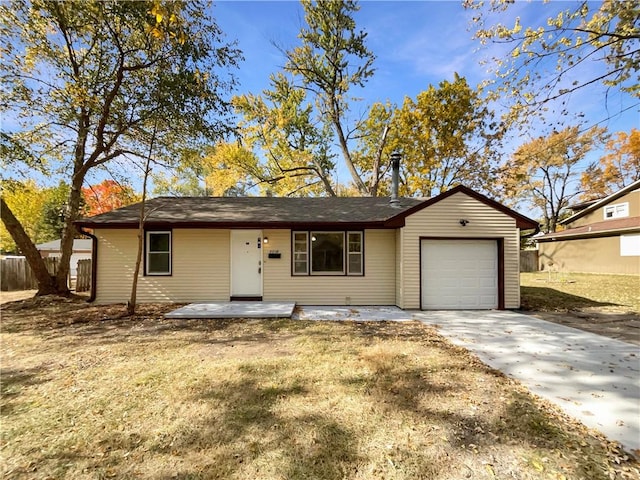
point(158, 261)
point(327, 253)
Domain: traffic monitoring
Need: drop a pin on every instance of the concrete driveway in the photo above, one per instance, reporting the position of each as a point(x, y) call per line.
point(594, 379)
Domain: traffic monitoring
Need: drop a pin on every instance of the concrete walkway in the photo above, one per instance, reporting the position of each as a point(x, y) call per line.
point(234, 310)
point(593, 378)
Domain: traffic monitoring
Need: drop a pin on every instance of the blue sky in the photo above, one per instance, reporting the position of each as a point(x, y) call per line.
point(416, 43)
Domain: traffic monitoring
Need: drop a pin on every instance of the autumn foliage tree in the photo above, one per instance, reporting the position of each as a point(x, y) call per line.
point(615, 170)
point(281, 126)
point(86, 80)
point(332, 60)
point(579, 47)
point(106, 196)
point(447, 136)
point(545, 172)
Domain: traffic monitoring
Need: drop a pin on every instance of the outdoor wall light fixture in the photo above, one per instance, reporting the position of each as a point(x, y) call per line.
point(265, 240)
point(463, 222)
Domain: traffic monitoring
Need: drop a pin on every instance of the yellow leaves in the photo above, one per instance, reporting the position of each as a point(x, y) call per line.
point(157, 33)
point(165, 24)
point(156, 11)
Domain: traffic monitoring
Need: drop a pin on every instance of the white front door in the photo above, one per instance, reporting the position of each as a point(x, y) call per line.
point(246, 263)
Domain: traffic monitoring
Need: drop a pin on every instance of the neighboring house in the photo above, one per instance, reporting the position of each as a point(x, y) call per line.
point(459, 250)
point(81, 251)
point(602, 237)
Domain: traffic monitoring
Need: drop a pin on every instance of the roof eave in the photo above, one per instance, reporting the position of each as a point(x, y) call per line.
point(382, 224)
point(574, 236)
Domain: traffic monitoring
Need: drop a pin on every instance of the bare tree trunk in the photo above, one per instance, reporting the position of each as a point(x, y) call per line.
point(131, 304)
point(377, 164)
point(46, 282)
point(68, 233)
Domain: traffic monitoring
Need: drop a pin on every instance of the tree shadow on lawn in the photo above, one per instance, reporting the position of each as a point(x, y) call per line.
point(248, 423)
point(241, 422)
point(12, 381)
point(544, 298)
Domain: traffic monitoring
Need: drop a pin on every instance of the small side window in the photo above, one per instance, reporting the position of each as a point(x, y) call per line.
point(158, 261)
point(354, 253)
point(300, 253)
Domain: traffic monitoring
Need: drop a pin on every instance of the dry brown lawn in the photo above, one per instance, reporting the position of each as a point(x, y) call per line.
point(86, 394)
point(585, 292)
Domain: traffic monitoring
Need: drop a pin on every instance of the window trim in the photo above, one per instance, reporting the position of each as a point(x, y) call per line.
point(147, 251)
point(345, 254)
point(348, 253)
point(612, 208)
point(293, 253)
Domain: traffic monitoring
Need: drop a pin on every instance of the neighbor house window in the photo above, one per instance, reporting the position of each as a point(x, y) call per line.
point(327, 253)
point(618, 210)
point(158, 261)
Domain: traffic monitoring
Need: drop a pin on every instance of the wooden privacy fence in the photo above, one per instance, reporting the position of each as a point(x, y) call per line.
point(528, 260)
point(16, 274)
point(83, 279)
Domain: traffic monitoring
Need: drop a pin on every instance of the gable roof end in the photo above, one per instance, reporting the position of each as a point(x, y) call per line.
point(522, 222)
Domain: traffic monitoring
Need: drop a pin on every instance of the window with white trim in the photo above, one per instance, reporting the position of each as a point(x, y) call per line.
point(618, 210)
point(158, 256)
point(327, 253)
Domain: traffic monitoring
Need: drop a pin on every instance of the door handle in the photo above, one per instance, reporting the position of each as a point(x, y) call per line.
point(259, 269)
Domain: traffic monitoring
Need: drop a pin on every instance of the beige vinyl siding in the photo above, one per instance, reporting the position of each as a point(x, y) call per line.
point(632, 198)
point(587, 255)
point(442, 220)
point(376, 287)
point(399, 266)
point(200, 267)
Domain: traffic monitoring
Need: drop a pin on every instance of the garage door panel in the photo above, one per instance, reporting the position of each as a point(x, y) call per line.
point(459, 274)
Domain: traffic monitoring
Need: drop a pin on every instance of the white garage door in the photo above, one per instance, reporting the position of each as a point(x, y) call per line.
point(459, 274)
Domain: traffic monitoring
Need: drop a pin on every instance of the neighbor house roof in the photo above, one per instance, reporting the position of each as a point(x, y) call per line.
point(597, 229)
point(278, 212)
point(606, 200)
point(79, 244)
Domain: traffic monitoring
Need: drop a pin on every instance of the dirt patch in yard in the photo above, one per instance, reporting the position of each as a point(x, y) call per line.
point(607, 305)
point(6, 297)
point(620, 326)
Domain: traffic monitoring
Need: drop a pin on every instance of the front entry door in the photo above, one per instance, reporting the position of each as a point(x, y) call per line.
point(246, 263)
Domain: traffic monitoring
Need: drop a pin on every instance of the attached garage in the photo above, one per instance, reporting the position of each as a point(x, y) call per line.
point(460, 250)
point(459, 274)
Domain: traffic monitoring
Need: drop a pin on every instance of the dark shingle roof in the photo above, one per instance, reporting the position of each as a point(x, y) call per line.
point(255, 211)
point(282, 212)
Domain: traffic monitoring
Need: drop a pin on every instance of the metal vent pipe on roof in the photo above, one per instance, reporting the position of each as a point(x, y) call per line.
point(395, 178)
